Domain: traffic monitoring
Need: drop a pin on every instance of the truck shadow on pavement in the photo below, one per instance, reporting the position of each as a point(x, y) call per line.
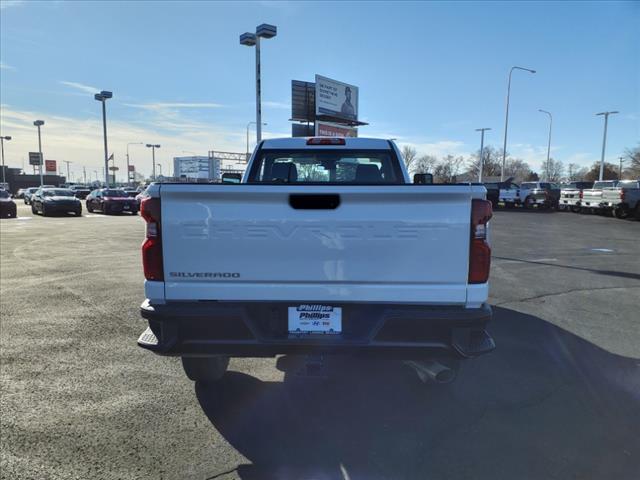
point(545, 404)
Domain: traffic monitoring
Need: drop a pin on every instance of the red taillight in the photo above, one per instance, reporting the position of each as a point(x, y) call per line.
point(152, 246)
point(479, 251)
point(581, 194)
point(326, 141)
point(622, 195)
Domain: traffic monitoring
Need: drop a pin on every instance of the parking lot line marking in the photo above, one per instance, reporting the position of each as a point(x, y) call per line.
point(24, 218)
point(605, 250)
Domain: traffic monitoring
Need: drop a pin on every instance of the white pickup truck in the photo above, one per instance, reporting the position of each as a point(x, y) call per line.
point(571, 195)
point(325, 247)
point(622, 200)
point(592, 197)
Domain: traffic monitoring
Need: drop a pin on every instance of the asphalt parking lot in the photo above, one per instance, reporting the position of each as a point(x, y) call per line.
point(559, 398)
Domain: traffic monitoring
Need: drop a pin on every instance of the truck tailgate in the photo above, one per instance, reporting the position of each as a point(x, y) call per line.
point(404, 243)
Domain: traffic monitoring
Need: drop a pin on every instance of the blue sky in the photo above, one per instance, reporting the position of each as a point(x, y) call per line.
point(429, 74)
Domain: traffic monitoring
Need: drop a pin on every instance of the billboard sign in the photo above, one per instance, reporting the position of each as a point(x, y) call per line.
point(192, 167)
point(326, 129)
point(50, 166)
point(336, 99)
point(34, 158)
point(303, 101)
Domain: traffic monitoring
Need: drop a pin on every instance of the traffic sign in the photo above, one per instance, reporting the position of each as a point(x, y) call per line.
point(114, 169)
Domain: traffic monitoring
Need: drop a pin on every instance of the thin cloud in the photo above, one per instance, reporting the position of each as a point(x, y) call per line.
point(4, 66)
point(80, 86)
point(168, 105)
point(10, 3)
point(277, 105)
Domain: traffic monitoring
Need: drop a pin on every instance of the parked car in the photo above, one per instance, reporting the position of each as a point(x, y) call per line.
point(131, 192)
point(542, 194)
point(7, 205)
point(55, 200)
point(27, 194)
point(571, 195)
point(320, 251)
point(80, 191)
point(623, 199)
point(20, 193)
point(510, 195)
point(111, 200)
point(592, 197)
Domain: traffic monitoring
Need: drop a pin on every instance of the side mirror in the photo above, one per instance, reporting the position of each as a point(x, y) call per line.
point(231, 178)
point(422, 178)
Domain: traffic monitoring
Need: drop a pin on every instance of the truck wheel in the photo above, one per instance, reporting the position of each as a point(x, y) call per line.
point(33, 210)
point(89, 208)
point(575, 209)
point(621, 212)
point(528, 203)
point(205, 369)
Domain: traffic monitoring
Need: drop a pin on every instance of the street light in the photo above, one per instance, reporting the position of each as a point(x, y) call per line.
point(160, 167)
point(253, 40)
point(2, 139)
point(103, 96)
point(39, 123)
point(128, 172)
point(482, 130)
point(604, 139)
point(153, 158)
point(248, 125)
point(506, 121)
point(549, 143)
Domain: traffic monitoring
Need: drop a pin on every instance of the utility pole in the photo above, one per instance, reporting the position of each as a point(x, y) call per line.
point(620, 174)
point(68, 175)
point(481, 130)
point(84, 174)
point(604, 140)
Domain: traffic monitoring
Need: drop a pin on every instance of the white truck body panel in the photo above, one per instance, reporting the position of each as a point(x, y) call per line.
point(592, 198)
point(393, 243)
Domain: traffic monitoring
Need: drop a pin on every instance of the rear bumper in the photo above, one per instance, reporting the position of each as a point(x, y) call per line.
point(258, 329)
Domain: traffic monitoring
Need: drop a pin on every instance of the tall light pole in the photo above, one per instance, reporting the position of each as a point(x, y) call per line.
point(39, 123)
point(248, 125)
point(68, 176)
point(128, 172)
point(102, 97)
point(506, 120)
point(548, 143)
point(604, 140)
point(160, 167)
point(153, 158)
point(253, 40)
point(481, 130)
point(2, 139)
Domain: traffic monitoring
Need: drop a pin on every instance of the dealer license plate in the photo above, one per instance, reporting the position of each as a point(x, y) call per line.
point(315, 319)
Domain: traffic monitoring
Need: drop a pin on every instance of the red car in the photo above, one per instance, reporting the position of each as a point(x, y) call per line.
point(111, 200)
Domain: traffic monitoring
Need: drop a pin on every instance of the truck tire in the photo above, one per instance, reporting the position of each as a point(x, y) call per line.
point(205, 369)
point(621, 212)
point(528, 203)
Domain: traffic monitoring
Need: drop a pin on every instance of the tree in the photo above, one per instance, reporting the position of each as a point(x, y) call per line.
point(516, 168)
point(491, 164)
point(532, 177)
point(448, 168)
point(553, 171)
point(425, 164)
point(576, 173)
point(409, 154)
point(610, 172)
point(633, 156)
